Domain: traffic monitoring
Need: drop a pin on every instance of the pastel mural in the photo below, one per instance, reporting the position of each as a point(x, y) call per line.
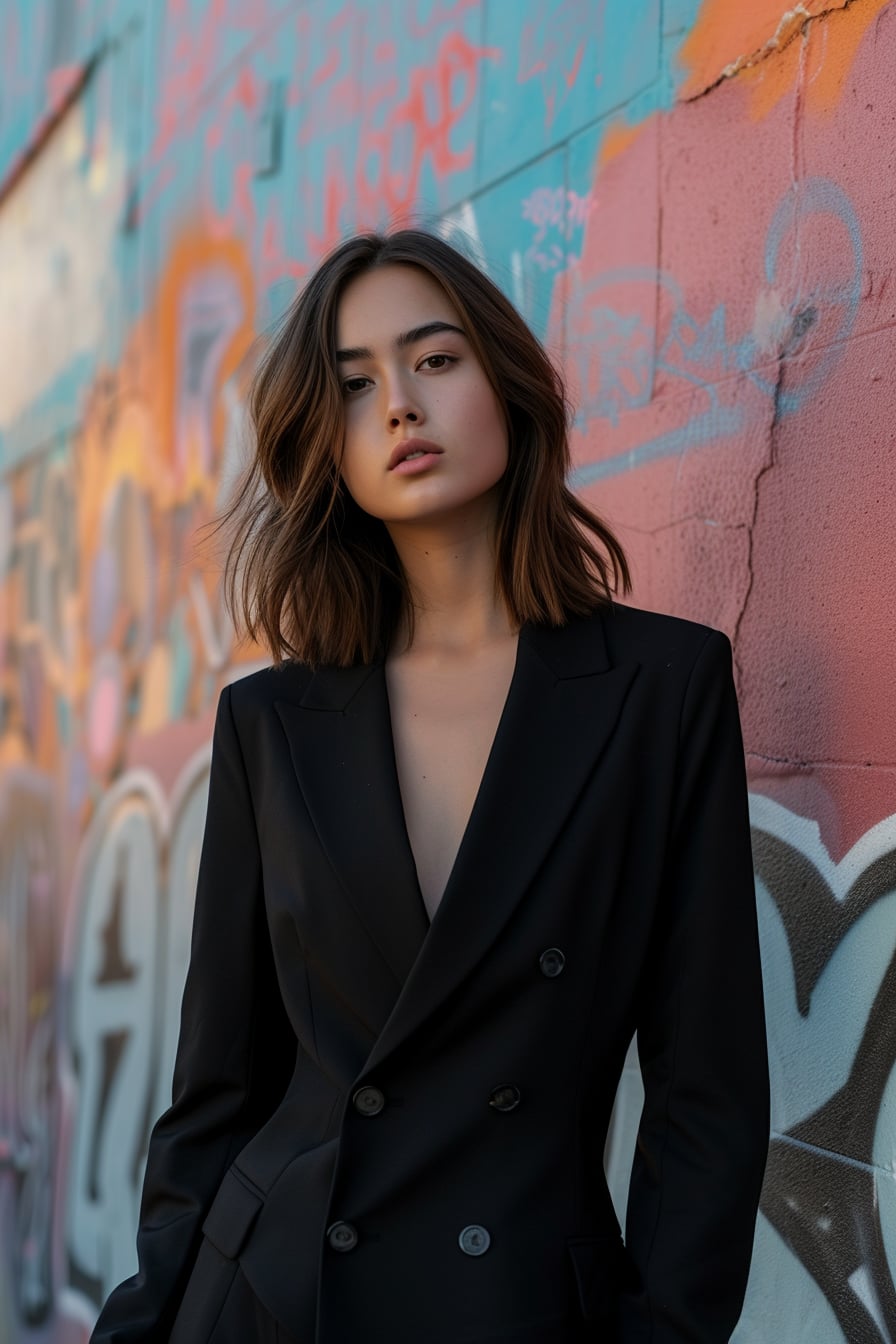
point(691, 202)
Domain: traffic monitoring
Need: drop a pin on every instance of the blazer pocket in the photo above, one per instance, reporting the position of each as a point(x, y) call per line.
point(602, 1270)
point(232, 1214)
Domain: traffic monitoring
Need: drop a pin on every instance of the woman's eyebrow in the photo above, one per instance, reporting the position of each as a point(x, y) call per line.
point(404, 338)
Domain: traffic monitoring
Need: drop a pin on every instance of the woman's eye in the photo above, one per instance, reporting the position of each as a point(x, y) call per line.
point(355, 384)
point(439, 361)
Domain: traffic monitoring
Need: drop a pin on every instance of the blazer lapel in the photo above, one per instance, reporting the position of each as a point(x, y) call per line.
point(340, 739)
point(563, 705)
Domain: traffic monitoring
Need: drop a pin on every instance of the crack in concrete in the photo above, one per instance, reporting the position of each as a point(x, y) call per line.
point(679, 522)
point(769, 463)
point(821, 763)
point(795, 137)
point(803, 321)
point(793, 23)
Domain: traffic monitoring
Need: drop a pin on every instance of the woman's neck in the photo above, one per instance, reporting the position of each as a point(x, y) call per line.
point(450, 568)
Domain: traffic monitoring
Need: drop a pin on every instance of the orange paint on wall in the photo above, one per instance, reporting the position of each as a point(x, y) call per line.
point(191, 254)
point(618, 138)
point(129, 423)
point(762, 45)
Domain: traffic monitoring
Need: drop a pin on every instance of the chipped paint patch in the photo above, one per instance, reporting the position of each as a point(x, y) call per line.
point(762, 45)
point(770, 321)
point(789, 25)
point(727, 39)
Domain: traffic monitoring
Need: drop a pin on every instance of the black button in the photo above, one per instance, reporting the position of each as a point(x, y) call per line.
point(474, 1240)
point(552, 962)
point(368, 1101)
point(505, 1098)
point(342, 1236)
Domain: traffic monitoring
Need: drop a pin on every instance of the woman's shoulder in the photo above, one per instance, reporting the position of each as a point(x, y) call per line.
point(264, 686)
point(325, 686)
point(678, 658)
point(668, 649)
point(634, 633)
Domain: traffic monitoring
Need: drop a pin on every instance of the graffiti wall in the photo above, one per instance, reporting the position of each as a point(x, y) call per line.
point(691, 202)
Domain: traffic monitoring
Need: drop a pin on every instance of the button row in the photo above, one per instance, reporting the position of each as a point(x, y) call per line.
point(370, 1100)
point(473, 1240)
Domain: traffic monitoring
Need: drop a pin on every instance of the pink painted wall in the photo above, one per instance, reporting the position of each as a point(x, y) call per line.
point(757, 496)
point(692, 203)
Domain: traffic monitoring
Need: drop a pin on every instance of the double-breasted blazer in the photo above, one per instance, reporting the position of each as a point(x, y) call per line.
point(386, 1130)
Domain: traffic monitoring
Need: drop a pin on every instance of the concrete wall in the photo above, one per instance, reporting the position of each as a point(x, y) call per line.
point(693, 204)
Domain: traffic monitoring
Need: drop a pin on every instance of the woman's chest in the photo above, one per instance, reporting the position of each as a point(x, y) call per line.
point(443, 727)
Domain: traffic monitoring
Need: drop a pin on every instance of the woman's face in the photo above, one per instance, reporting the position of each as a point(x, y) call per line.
point(425, 434)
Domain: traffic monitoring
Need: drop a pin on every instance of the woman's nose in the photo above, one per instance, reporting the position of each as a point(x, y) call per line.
point(408, 414)
point(402, 406)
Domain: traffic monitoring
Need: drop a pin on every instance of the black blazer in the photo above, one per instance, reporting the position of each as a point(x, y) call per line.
point(394, 1132)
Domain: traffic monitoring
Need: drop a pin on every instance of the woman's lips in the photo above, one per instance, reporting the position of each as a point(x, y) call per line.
point(413, 454)
point(412, 466)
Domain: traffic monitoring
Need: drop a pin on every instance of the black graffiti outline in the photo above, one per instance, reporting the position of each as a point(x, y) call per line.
point(165, 814)
point(833, 1226)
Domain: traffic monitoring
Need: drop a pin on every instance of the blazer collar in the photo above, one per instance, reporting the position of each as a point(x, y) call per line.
point(564, 701)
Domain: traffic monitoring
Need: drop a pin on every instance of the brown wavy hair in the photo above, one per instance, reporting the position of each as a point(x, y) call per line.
point(312, 576)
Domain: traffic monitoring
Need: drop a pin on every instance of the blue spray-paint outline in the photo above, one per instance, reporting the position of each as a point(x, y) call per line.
point(816, 195)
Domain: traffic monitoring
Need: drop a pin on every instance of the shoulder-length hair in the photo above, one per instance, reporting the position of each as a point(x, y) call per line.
point(315, 578)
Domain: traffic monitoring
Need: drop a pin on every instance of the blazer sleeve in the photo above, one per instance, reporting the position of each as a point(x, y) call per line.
point(703, 1137)
point(234, 1056)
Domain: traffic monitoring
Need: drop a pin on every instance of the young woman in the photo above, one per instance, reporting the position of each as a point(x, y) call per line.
point(475, 827)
